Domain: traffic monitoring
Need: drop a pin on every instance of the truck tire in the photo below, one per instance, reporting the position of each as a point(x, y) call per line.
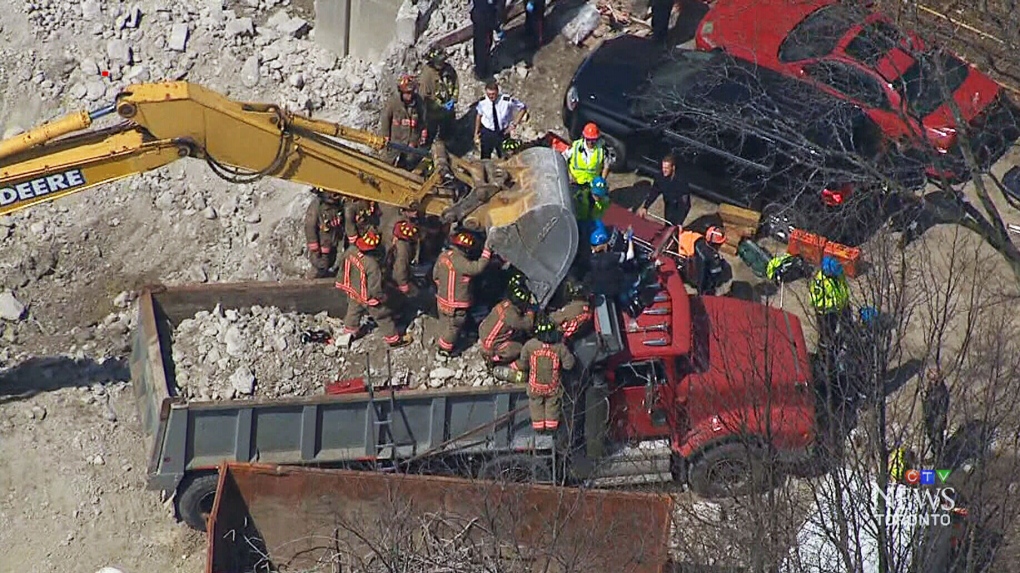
point(195, 498)
point(516, 468)
point(727, 470)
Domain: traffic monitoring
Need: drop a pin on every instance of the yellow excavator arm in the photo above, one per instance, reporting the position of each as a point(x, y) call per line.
point(524, 203)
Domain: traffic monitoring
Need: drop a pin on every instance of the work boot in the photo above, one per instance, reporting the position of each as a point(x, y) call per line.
point(401, 341)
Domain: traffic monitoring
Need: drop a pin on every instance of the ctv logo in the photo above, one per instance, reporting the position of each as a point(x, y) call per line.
point(924, 504)
point(925, 477)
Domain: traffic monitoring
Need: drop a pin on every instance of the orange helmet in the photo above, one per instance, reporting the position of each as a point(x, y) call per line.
point(407, 84)
point(463, 240)
point(405, 230)
point(715, 236)
point(367, 242)
point(591, 131)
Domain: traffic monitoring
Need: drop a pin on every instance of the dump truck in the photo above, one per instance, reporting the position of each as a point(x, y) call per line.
point(523, 203)
point(707, 391)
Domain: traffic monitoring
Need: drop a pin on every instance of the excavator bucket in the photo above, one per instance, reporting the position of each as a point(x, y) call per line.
point(532, 224)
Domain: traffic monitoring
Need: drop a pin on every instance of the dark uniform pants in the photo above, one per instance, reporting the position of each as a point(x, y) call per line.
point(545, 410)
point(534, 24)
point(321, 265)
point(450, 325)
point(661, 10)
point(484, 23)
point(676, 211)
point(381, 314)
point(491, 141)
point(503, 353)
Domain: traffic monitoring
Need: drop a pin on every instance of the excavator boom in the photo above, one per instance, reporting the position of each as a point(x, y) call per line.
point(523, 202)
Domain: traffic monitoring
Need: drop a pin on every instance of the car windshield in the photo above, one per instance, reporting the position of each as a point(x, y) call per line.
point(668, 82)
point(874, 42)
point(817, 35)
point(926, 83)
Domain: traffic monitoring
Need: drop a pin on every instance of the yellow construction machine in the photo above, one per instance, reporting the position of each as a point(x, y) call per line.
point(523, 203)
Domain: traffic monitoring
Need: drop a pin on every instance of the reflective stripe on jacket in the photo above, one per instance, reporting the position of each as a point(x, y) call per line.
point(828, 294)
point(572, 317)
point(544, 364)
point(502, 324)
point(584, 167)
point(360, 277)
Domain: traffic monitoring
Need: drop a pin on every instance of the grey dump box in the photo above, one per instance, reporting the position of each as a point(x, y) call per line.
point(189, 440)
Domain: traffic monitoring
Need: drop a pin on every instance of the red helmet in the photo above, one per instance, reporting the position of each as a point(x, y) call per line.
point(463, 240)
point(715, 236)
point(405, 230)
point(591, 131)
point(407, 84)
point(367, 242)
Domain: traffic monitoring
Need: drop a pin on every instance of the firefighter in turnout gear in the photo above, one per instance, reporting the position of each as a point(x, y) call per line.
point(361, 279)
point(543, 360)
point(510, 321)
point(324, 223)
point(360, 216)
point(403, 121)
point(401, 255)
point(575, 316)
point(452, 274)
point(440, 90)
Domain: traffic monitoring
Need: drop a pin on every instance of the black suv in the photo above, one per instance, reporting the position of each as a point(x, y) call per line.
point(747, 136)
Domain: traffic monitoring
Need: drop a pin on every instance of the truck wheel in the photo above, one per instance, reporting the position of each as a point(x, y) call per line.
point(521, 468)
point(195, 498)
point(616, 154)
point(727, 470)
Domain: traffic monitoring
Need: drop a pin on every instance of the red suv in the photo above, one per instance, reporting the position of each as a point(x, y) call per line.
point(861, 56)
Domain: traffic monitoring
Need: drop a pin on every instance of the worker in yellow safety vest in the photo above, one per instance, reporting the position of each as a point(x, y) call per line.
point(830, 297)
point(586, 157)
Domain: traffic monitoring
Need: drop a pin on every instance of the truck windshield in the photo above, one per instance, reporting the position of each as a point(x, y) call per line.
point(933, 76)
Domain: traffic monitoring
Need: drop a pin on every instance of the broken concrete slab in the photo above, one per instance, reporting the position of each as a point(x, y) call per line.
point(179, 37)
point(240, 27)
point(11, 308)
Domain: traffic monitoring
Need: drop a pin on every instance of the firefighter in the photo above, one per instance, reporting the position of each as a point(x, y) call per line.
point(440, 90)
point(360, 216)
point(401, 255)
point(509, 321)
point(543, 360)
point(575, 316)
point(323, 232)
point(361, 278)
point(452, 274)
point(830, 298)
point(403, 121)
point(586, 158)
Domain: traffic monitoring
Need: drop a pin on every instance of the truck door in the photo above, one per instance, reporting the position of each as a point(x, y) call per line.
point(635, 389)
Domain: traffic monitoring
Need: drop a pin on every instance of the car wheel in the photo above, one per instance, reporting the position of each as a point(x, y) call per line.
point(777, 222)
point(726, 470)
point(616, 154)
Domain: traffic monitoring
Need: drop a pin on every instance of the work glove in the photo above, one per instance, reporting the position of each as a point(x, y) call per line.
point(500, 34)
point(448, 106)
point(529, 7)
point(318, 261)
point(336, 222)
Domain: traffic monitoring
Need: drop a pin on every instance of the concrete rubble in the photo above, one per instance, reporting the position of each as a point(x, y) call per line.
point(226, 354)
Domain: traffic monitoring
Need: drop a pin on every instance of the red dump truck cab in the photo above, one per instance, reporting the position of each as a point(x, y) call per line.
point(719, 377)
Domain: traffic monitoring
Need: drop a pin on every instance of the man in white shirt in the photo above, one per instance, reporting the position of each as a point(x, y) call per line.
point(496, 115)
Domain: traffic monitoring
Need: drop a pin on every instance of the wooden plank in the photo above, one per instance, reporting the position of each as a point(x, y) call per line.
point(464, 33)
point(738, 216)
point(734, 233)
point(728, 249)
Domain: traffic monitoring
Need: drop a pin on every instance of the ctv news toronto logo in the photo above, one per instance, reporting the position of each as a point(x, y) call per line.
point(922, 502)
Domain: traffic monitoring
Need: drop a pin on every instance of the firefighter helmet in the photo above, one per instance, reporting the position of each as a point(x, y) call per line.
point(545, 330)
point(831, 267)
point(715, 236)
point(407, 84)
point(517, 292)
point(591, 131)
point(405, 230)
point(367, 242)
point(463, 240)
point(436, 56)
point(511, 145)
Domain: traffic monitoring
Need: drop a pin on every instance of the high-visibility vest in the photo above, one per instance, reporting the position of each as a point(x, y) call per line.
point(588, 208)
point(584, 167)
point(775, 263)
point(897, 464)
point(685, 242)
point(828, 295)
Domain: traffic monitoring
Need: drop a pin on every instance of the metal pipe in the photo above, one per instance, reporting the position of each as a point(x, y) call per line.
point(70, 123)
point(331, 129)
point(105, 110)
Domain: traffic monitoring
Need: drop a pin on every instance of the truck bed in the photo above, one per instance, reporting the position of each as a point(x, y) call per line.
point(326, 430)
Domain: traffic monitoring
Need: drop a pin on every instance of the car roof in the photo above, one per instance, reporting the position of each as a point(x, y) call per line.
point(754, 29)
